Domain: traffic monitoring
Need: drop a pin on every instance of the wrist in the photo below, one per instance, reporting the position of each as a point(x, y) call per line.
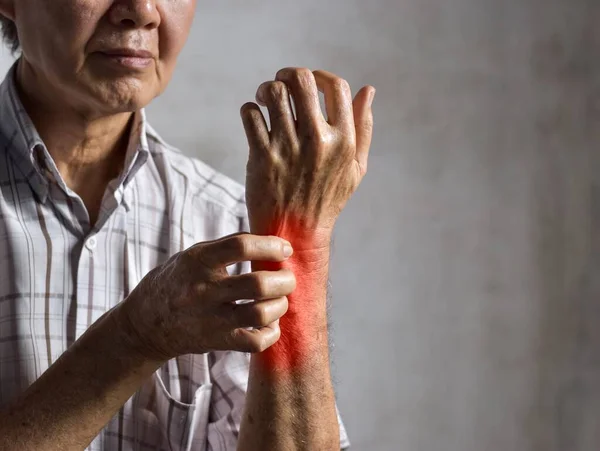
point(130, 339)
point(304, 236)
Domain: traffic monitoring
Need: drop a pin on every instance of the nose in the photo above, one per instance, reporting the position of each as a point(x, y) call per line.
point(135, 14)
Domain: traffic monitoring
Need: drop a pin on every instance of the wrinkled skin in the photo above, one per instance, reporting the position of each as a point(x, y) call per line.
point(186, 306)
point(301, 173)
point(68, 65)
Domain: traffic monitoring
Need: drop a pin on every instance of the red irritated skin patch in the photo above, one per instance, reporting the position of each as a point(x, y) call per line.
point(304, 326)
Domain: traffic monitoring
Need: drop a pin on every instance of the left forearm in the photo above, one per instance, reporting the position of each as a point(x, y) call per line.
point(300, 174)
point(290, 403)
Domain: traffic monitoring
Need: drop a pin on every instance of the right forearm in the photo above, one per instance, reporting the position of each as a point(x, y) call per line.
point(75, 398)
point(185, 306)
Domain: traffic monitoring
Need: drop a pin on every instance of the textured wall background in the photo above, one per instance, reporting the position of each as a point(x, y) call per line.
point(466, 270)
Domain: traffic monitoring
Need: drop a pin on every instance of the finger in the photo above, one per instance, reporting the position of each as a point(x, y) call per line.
point(256, 340)
point(255, 126)
point(256, 314)
point(256, 285)
point(363, 122)
point(338, 99)
point(303, 88)
point(276, 97)
point(242, 247)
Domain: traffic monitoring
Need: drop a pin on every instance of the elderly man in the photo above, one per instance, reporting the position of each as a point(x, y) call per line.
point(129, 317)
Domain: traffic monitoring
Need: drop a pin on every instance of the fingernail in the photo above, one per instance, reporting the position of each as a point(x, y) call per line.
point(372, 96)
point(287, 250)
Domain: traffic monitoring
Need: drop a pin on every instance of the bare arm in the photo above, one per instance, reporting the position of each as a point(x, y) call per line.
point(290, 397)
point(183, 307)
point(73, 400)
point(299, 176)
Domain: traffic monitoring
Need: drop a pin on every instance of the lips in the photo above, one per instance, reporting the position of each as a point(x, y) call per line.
point(128, 53)
point(128, 58)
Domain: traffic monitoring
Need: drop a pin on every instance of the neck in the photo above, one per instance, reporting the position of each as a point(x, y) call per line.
point(88, 150)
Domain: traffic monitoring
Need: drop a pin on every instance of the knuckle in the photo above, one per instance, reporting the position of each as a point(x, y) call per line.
point(202, 290)
point(341, 85)
point(317, 138)
point(239, 244)
point(276, 89)
point(271, 244)
point(254, 346)
point(189, 258)
point(274, 161)
point(186, 256)
point(302, 75)
point(258, 316)
point(260, 344)
point(260, 285)
point(247, 341)
point(346, 142)
point(198, 254)
point(255, 116)
point(366, 125)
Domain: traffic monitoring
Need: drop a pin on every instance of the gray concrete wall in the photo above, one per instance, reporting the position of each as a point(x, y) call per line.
point(466, 269)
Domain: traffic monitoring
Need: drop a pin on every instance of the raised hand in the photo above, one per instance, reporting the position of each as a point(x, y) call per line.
point(302, 171)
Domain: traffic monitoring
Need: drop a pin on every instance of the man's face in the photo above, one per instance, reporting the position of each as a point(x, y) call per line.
point(105, 56)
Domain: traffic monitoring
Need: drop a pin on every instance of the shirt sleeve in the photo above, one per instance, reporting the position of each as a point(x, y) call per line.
point(229, 375)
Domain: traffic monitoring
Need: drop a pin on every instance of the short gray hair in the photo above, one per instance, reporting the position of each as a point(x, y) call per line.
point(9, 33)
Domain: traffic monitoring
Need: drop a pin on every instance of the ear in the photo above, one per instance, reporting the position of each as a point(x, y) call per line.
point(7, 9)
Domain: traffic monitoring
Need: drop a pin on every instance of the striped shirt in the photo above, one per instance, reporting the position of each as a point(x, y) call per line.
point(59, 274)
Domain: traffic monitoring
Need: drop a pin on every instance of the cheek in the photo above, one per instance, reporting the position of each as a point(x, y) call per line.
point(62, 28)
point(77, 20)
point(176, 21)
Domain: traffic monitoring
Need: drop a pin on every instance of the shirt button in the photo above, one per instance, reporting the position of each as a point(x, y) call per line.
point(91, 243)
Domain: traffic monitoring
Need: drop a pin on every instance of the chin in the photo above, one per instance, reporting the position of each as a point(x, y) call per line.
point(129, 106)
point(120, 100)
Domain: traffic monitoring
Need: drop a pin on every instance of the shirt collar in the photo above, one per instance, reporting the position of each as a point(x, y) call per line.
point(20, 138)
point(137, 148)
point(18, 135)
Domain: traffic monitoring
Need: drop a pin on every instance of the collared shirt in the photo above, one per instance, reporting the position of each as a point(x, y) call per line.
point(59, 274)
